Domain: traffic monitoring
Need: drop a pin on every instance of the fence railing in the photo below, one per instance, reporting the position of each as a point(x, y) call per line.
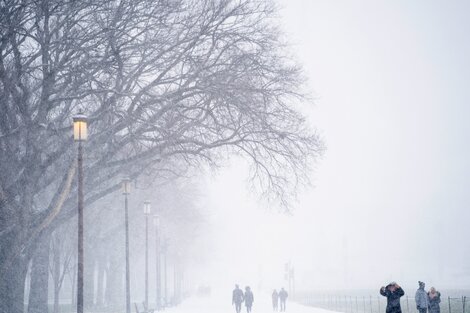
point(377, 304)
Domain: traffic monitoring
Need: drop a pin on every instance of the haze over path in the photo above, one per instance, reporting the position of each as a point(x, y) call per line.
point(220, 303)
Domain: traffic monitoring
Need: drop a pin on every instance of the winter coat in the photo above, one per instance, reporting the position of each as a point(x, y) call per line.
point(275, 297)
point(249, 298)
point(237, 296)
point(393, 299)
point(434, 303)
point(421, 298)
point(283, 295)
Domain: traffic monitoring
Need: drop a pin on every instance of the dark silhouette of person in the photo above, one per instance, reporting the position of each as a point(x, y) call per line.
point(283, 297)
point(249, 299)
point(275, 297)
point(393, 292)
point(237, 298)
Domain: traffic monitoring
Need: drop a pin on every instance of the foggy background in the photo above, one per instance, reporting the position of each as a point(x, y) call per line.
point(390, 198)
point(386, 130)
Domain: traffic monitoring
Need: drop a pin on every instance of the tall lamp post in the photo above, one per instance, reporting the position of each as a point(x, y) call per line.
point(146, 213)
point(165, 277)
point(80, 134)
point(156, 222)
point(126, 190)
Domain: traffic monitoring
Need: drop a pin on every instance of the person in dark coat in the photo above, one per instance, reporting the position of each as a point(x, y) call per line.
point(237, 298)
point(393, 292)
point(283, 297)
point(249, 299)
point(434, 298)
point(275, 297)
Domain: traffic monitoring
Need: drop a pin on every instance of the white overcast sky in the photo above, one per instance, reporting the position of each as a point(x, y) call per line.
point(391, 197)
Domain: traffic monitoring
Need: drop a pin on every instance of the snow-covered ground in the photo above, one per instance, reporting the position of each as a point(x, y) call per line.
point(223, 305)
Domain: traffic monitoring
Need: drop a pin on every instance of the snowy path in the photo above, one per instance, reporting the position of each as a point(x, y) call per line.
point(214, 305)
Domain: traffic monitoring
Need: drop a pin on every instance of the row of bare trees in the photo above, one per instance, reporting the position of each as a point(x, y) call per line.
point(168, 86)
point(54, 269)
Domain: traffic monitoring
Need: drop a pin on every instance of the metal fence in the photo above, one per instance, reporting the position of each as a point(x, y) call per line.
point(377, 304)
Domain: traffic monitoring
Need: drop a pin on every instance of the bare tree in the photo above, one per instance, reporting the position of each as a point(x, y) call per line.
point(62, 250)
point(164, 83)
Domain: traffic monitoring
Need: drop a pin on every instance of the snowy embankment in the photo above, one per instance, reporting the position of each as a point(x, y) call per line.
point(223, 305)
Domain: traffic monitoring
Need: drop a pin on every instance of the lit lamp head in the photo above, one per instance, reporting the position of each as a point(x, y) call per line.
point(80, 132)
point(126, 186)
point(147, 207)
point(156, 220)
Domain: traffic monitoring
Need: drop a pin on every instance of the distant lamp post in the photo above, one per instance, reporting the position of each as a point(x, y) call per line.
point(165, 272)
point(79, 135)
point(126, 190)
point(146, 213)
point(156, 223)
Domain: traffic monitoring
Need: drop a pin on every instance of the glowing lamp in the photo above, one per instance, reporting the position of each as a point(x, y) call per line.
point(80, 132)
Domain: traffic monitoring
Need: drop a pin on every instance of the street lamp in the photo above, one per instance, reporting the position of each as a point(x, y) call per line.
point(126, 190)
point(79, 135)
point(156, 223)
point(165, 277)
point(146, 213)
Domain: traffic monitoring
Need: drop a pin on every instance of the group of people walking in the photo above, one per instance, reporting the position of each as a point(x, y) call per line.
point(424, 300)
point(238, 297)
point(277, 297)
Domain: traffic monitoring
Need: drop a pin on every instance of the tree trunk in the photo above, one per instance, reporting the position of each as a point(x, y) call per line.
point(89, 281)
point(100, 285)
point(73, 283)
point(56, 300)
point(114, 284)
point(38, 295)
point(14, 257)
point(57, 274)
point(12, 283)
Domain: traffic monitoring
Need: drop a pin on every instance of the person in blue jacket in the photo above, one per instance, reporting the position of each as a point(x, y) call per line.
point(421, 298)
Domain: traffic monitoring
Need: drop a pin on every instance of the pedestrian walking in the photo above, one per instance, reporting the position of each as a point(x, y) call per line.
point(249, 299)
point(237, 298)
point(283, 297)
point(393, 292)
point(434, 298)
point(421, 298)
point(275, 298)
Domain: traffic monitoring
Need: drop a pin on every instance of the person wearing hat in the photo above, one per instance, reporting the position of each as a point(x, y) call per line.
point(393, 292)
point(421, 298)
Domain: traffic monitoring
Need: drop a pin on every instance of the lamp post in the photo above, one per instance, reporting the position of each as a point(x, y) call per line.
point(126, 190)
point(80, 134)
point(175, 280)
point(146, 213)
point(156, 222)
point(165, 277)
